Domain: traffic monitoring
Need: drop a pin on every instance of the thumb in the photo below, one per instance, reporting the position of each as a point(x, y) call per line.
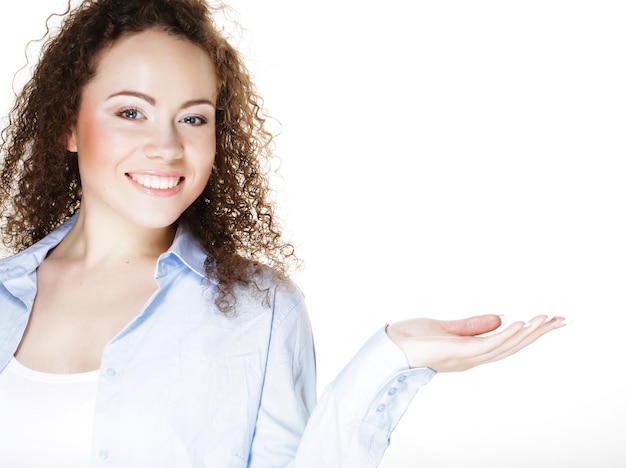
point(472, 326)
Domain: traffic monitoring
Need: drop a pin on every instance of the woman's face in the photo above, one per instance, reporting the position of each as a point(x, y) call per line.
point(145, 131)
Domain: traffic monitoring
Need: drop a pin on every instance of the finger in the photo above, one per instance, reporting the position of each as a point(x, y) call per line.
point(528, 334)
point(530, 337)
point(472, 326)
point(475, 350)
point(487, 347)
point(467, 352)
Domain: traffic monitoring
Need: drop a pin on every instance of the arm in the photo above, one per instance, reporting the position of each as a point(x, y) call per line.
point(289, 387)
point(352, 423)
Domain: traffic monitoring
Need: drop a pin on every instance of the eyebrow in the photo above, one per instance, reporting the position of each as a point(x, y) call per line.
point(150, 100)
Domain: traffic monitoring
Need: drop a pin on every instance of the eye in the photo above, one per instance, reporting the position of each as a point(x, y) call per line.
point(130, 113)
point(193, 120)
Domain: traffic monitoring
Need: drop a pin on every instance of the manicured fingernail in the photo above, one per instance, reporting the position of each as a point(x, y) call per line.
point(563, 323)
point(534, 322)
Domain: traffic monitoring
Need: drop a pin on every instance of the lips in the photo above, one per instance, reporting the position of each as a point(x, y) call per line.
point(156, 182)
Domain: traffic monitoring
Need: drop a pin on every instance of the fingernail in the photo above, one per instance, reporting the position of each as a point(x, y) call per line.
point(503, 319)
point(537, 324)
point(563, 323)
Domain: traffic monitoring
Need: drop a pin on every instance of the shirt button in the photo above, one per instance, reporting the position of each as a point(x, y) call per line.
point(392, 391)
point(111, 372)
point(104, 454)
point(402, 378)
point(381, 408)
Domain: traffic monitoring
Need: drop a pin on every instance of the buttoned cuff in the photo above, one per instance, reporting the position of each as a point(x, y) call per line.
point(377, 385)
point(358, 411)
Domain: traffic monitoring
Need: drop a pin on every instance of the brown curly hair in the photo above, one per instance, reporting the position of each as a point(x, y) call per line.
point(233, 219)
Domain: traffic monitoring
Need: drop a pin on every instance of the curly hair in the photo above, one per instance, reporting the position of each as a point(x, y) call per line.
point(233, 219)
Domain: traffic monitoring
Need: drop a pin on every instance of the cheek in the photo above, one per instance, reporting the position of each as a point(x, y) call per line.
point(90, 144)
point(203, 175)
point(92, 139)
point(206, 158)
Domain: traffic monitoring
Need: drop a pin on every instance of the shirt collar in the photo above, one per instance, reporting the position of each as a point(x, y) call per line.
point(188, 250)
point(29, 259)
point(184, 247)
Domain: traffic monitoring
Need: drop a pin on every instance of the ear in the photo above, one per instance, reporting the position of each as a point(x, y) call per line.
point(70, 144)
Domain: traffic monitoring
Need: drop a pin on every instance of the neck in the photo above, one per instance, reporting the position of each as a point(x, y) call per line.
point(98, 241)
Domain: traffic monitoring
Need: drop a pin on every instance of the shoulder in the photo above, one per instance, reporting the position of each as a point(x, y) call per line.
point(279, 291)
point(30, 258)
point(270, 292)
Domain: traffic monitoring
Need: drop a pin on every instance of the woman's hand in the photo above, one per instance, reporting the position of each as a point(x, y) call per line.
point(456, 345)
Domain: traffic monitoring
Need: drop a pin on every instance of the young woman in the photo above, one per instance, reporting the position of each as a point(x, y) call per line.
point(147, 318)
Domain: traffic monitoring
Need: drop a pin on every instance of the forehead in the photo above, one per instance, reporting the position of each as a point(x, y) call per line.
point(154, 60)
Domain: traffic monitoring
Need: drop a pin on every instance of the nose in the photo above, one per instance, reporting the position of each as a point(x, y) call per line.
point(164, 143)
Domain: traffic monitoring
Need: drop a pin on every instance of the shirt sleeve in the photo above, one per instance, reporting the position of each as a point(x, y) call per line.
point(289, 393)
point(351, 425)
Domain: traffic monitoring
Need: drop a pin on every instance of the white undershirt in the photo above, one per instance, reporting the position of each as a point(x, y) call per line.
point(46, 420)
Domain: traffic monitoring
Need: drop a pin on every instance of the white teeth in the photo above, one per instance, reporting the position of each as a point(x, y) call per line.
point(155, 182)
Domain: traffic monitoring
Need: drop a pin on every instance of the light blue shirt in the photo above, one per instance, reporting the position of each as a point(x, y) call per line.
point(183, 385)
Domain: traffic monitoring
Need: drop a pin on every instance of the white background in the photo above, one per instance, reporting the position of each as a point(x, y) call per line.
point(445, 159)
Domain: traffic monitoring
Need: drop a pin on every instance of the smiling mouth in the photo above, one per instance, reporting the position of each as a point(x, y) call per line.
point(156, 182)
